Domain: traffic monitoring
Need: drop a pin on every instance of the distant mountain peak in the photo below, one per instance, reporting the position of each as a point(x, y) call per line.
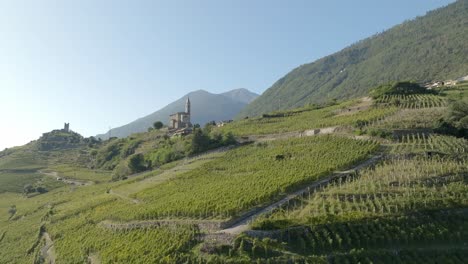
point(241, 94)
point(205, 106)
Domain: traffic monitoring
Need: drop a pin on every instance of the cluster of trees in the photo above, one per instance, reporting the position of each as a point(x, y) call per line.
point(28, 188)
point(111, 154)
point(403, 88)
point(207, 138)
point(122, 154)
point(456, 121)
point(201, 139)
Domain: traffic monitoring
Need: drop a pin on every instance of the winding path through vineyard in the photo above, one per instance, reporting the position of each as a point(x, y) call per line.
point(242, 224)
point(48, 252)
point(94, 259)
point(55, 175)
point(135, 201)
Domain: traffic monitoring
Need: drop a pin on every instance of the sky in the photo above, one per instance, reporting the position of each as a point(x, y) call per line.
point(104, 63)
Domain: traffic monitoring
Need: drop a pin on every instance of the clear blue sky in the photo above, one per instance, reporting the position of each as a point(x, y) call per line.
point(97, 63)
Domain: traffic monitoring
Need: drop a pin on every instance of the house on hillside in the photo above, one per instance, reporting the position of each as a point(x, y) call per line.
point(223, 123)
point(450, 83)
point(463, 79)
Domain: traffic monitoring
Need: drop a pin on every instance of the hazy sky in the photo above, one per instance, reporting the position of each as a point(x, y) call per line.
point(97, 63)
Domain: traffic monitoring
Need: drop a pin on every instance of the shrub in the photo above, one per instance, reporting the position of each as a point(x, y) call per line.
point(158, 125)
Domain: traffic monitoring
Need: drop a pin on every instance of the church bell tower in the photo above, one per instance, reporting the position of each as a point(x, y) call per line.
point(187, 108)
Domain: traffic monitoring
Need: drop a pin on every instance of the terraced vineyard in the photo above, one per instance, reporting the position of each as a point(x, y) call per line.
point(430, 144)
point(411, 118)
point(415, 206)
point(157, 245)
point(413, 101)
point(247, 177)
point(294, 195)
point(307, 119)
point(215, 190)
point(394, 187)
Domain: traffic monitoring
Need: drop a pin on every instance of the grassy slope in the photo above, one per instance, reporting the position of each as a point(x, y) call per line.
point(432, 46)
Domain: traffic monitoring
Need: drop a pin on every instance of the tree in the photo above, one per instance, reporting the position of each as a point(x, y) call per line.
point(200, 141)
point(158, 125)
point(41, 189)
point(458, 110)
point(136, 163)
point(463, 123)
point(28, 188)
point(456, 121)
point(229, 139)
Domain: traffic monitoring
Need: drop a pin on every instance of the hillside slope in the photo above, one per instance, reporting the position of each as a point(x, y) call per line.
point(432, 46)
point(205, 107)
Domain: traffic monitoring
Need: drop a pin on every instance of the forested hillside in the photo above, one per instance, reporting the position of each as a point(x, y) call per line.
point(432, 47)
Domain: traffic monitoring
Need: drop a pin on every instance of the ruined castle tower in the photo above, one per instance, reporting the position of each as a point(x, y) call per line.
point(66, 127)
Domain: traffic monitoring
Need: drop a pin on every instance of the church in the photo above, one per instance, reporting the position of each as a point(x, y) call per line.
point(181, 120)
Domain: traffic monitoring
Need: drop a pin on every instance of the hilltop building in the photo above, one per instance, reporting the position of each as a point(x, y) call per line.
point(66, 127)
point(223, 123)
point(181, 120)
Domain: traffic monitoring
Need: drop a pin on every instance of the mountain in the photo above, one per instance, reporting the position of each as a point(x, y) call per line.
point(241, 95)
point(427, 48)
point(205, 108)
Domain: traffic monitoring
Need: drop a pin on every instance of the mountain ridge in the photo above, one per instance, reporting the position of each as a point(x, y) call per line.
point(431, 45)
point(206, 106)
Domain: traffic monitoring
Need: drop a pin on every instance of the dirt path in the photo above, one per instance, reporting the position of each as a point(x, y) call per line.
point(242, 224)
point(56, 176)
point(48, 251)
point(286, 135)
point(364, 104)
point(94, 258)
point(209, 226)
